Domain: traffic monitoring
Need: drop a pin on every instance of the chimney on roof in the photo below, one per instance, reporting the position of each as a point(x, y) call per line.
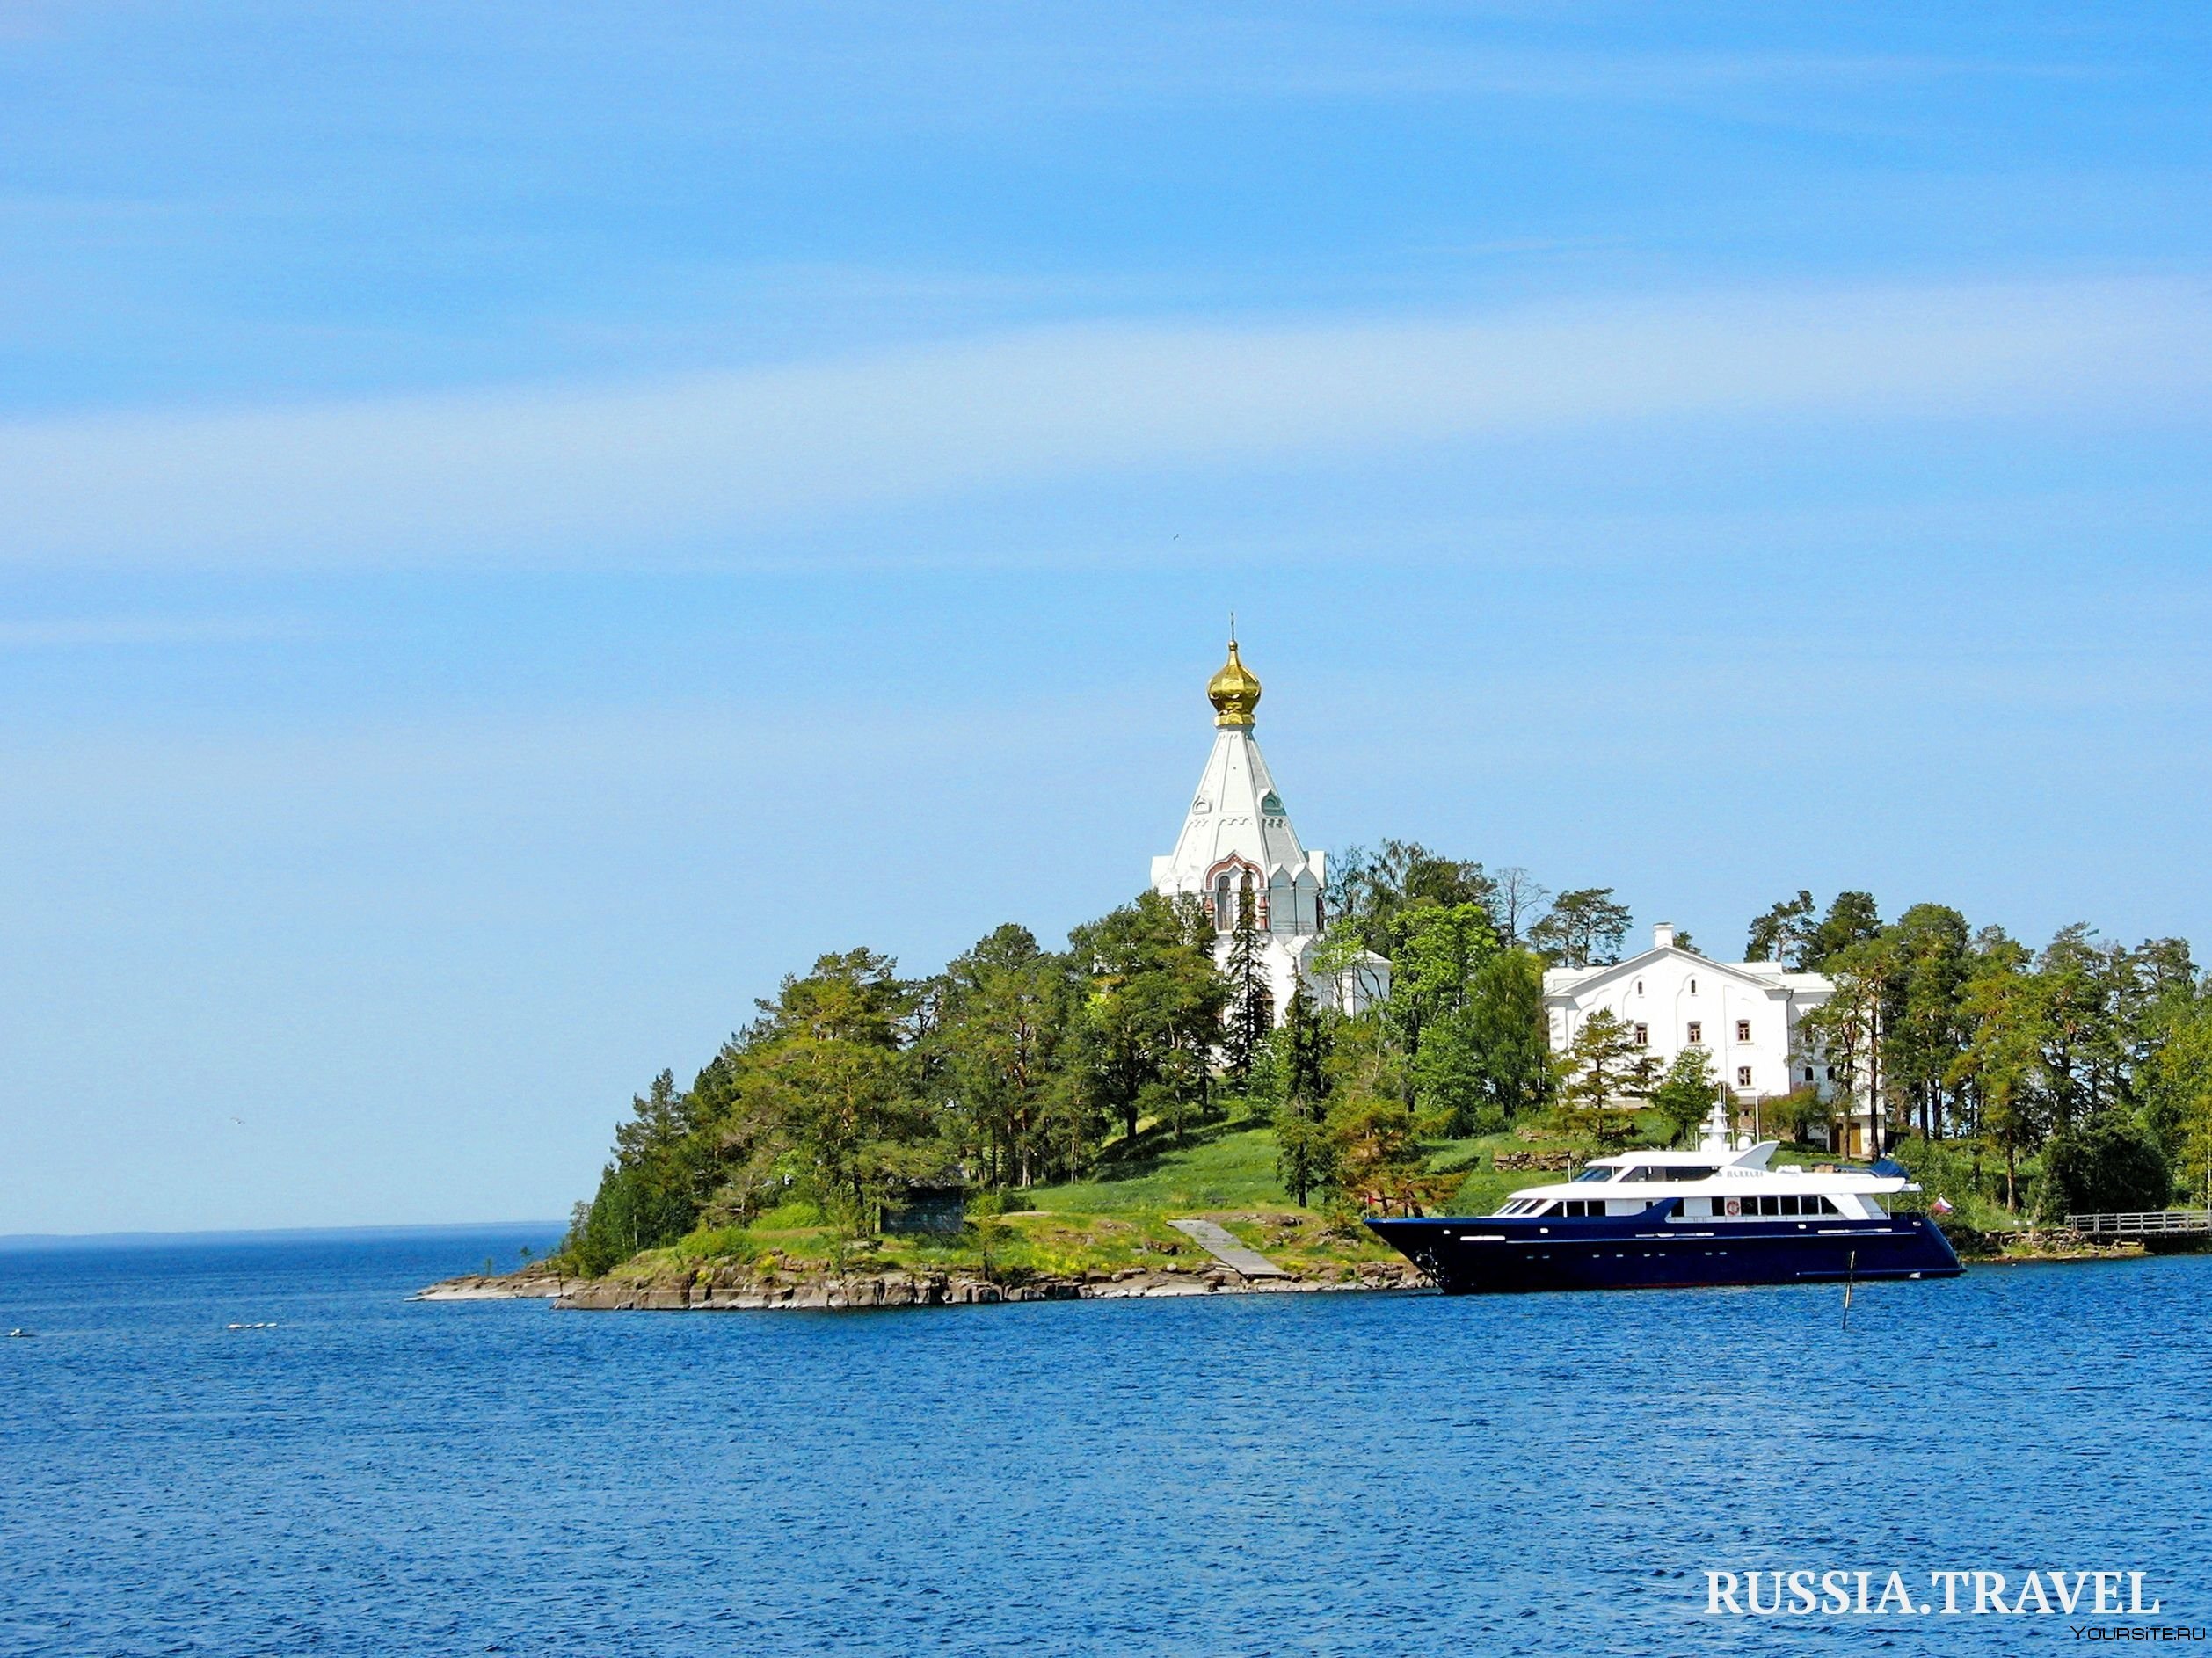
point(1663, 936)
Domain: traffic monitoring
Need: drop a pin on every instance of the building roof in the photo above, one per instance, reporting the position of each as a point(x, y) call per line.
point(1235, 813)
point(1767, 975)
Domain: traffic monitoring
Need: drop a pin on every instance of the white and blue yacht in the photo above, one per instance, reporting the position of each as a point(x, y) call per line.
point(1722, 1214)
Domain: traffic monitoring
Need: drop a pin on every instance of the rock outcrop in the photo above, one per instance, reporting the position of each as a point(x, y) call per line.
point(732, 1287)
point(539, 1282)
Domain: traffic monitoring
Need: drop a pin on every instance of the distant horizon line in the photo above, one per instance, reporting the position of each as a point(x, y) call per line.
point(27, 1241)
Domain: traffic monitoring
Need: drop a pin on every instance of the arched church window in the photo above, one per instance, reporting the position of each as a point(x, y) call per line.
point(1225, 915)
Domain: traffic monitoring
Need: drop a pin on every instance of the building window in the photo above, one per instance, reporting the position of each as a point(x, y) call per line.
point(1639, 987)
point(1743, 1076)
point(1694, 987)
point(1743, 1030)
point(1831, 1073)
point(1697, 1031)
point(1225, 914)
point(1643, 1036)
point(1808, 1074)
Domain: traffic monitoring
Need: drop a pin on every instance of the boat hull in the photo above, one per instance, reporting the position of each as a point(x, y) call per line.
point(1475, 1256)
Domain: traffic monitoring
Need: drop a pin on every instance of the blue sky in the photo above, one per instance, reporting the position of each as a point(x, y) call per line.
point(520, 524)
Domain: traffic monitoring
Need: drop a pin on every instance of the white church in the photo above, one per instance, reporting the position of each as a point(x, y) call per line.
point(1237, 843)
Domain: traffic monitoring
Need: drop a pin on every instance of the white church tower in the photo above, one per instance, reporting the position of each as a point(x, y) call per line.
point(1237, 839)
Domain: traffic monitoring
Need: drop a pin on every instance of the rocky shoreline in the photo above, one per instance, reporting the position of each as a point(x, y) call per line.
point(783, 1285)
point(739, 1290)
point(2033, 1248)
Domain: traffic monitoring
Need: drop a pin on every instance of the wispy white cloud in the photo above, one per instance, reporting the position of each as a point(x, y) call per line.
point(108, 632)
point(562, 473)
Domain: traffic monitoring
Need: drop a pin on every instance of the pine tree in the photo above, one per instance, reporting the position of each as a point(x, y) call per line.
point(1600, 1067)
point(1305, 1155)
point(1251, 1011)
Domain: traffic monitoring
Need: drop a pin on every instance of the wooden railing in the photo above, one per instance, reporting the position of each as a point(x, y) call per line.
point(2142, 1223)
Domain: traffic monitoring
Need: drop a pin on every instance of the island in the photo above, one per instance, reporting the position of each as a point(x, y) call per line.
point(1209, 1087)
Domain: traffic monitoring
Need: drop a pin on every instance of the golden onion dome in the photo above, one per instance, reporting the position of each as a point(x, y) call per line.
point(1233, 691)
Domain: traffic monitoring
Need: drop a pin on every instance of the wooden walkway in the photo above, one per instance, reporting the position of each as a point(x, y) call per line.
point(1224, 1247)
point(2143, 1223)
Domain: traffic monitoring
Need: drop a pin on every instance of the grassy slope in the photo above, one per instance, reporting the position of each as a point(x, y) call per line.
point(1118, 1219)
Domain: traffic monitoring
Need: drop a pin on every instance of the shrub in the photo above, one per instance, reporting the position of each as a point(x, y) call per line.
point(2111, 1164)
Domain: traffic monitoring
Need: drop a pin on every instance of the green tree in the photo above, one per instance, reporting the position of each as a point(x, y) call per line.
point(841, 1087)
point(1251, 1005)
point(2177, 1089)
point(1002, 1011)
point(1367, 890)
point(1795, 1115)
point(1583, 929)
point(1925, 1028)
point(1853, 919)
point(1506, 1025)
point(1998, 1066)
point(1450, 1079)
point(2079, 1057)
point(1152, 1013)
point(1685, 1095)
point(1436, 953)
point(1305, 1151)
point(1846, 1030)
point(1784, 934)
point(1601, 1067)
point(648, 1195)
point(1377, 1147)
point(2112, 1165)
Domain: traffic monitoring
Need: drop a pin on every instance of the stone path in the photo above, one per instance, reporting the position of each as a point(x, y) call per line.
point(1225, 1248)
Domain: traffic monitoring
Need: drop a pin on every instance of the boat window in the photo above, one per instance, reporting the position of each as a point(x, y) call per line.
point(1660, 1171)
point(1582, 1207)
point(1783, 1204)
point(1595, 1174)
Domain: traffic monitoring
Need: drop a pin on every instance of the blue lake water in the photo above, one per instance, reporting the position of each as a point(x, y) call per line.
point(1294, 1473)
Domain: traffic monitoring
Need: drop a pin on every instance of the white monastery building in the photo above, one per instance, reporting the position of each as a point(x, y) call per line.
point(1237, 840)
point(1744, 1014)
